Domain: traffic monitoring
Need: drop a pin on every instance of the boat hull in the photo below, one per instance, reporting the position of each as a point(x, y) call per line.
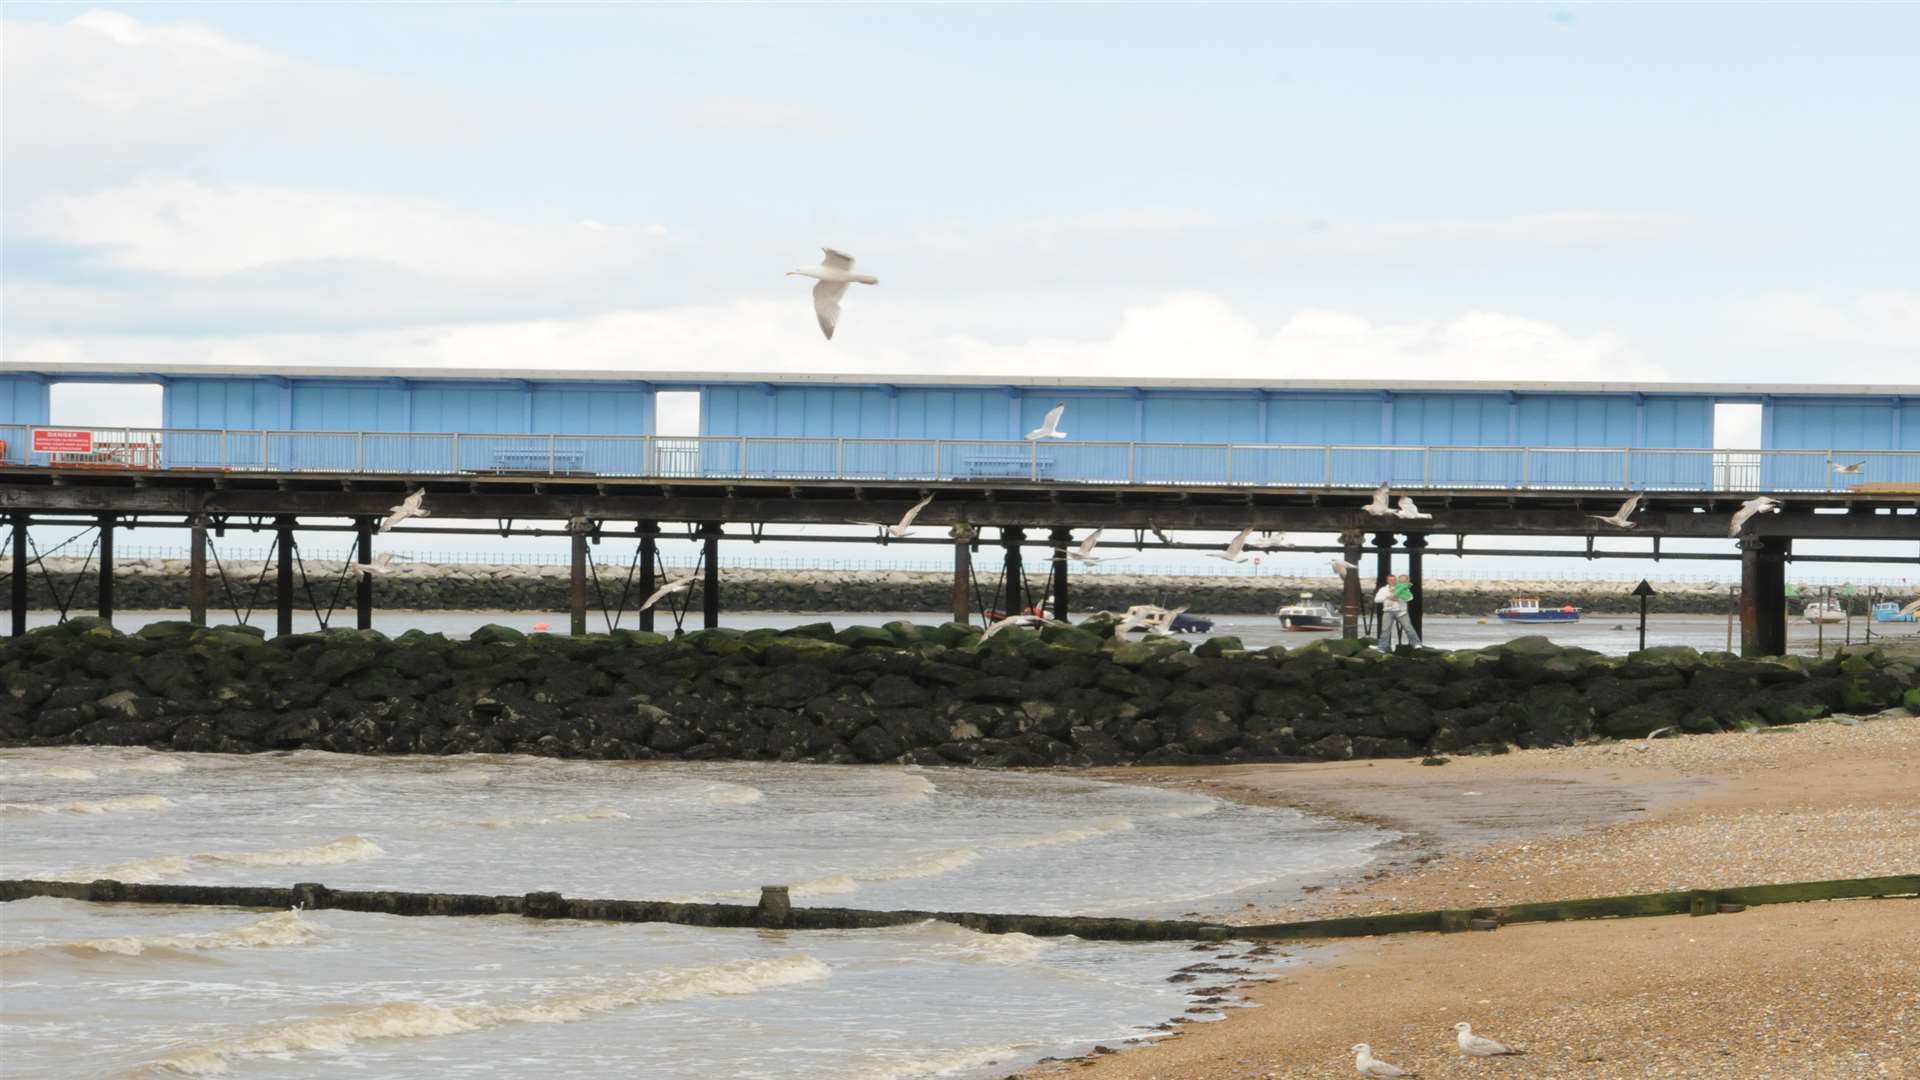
point(1537, 616)
point(1308, 624)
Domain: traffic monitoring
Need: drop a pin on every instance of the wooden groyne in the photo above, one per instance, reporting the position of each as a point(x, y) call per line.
point(776, 911)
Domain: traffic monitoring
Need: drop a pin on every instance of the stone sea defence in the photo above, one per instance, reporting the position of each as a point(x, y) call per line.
point(899, 693)
point(161, 584)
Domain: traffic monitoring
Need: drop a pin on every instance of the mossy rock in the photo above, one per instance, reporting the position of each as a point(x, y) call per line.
point(1134, 654)
point(470, 657)
point(1912, 701)
point(639, 639)
point(1682, 657)
point(1530, 645)
point(416, 636)
point(495, 634)
point(906, 633)
point(866, 637)
point(1273, 652)
point(1214, 646)
point(1072, 639)
point(952, 635)
point(818, 631)
point(719, 641)
point(165, 630)
point(812, 650)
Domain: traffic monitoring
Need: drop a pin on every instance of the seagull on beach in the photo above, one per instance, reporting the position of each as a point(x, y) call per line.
point(1621, 518)
point(1647, 743)
point(905, 526)
point(1379, 506)
point(1366, 1064)
point(1761, 505)
point(834, 274)
point(665, 591)
point(1084, 553)
point(1049, 425)
point(1341, 568)
point(1233, 553)
point(413, 506)
point(1409, 511)
point(1476, 1046)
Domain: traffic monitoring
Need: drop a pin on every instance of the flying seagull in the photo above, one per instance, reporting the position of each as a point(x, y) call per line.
point(1279, 543)
point(1623, 518)
point(381, 563)
point(665, 591)
point(1049, 425)
point(1157, 534)
point(1379, 507)
point(1366, 1064)
point(413, 506)
point(1476, 1046)
point(1410, 512)
point(1013, 620)
point(1761, 505)
point(1850, 470)
point(834, 274)
point(1341, 568)
point(1232, 554)
point(905, 526)
point(1084, 553)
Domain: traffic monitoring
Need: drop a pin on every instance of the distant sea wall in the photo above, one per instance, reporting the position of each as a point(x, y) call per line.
point(160, 585)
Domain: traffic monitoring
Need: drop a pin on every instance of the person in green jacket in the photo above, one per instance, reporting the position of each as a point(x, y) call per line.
point(1393, 598)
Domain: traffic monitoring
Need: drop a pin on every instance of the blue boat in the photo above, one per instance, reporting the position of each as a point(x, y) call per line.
point(1888, 611)
point(1527, 609)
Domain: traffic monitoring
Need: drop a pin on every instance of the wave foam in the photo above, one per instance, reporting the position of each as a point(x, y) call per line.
point(725, 794)
point(154, 766)
point(101, 806)
point(285, 928)
point(411, 1020)
point(1103, 827)
point(940, 1062)
point(598, 814)
point(909, 788)
point(63, 772)
point(344, 850)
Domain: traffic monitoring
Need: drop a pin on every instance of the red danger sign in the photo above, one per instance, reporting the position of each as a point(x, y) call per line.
point(62, 442)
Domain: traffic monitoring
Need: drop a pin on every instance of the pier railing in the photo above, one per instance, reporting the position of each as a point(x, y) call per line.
point(934, 460)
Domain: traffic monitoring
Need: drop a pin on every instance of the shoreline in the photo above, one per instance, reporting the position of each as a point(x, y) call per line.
point(1617, 998)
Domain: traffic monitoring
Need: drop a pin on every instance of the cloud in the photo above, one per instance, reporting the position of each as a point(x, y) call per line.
point(1880, 319)
point(1195, 335)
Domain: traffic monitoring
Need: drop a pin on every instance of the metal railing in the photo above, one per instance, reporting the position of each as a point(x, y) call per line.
point(752, 457)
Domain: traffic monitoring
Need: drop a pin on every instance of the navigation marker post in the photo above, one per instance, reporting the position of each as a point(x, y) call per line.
point(1643, 590)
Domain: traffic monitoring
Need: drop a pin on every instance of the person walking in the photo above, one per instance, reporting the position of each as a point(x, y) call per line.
point(1392, 598)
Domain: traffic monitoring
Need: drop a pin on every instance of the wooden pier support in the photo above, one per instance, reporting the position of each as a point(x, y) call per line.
point(18, 581)
point(649, 555)
point(710, 583)
point(1382, 569)
point(1062, 540)
point(197, 570)
point(1350, 587)
point(1014, 574)
point(962, 573)
point(1416, 546)
point(105, 590)
point(1763, 596)
point(283, 583)
point(577, 585)
point(363, 589)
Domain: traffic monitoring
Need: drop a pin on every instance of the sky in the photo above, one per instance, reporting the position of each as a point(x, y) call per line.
point(1671, 192)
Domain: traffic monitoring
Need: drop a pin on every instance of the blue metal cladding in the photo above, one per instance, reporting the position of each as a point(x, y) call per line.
point(227, 404)
point(24, 402)
point(1840, 426)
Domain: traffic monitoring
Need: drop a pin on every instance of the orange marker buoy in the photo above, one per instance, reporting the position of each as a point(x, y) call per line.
point(541, 627)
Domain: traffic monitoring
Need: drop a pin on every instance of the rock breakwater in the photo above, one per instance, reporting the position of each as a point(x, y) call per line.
point(161, 585)
point(900, 693)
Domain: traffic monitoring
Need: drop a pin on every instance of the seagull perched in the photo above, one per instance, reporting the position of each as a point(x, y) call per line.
point(1647, 743)
point(1232, 554)
point(905, 525)
point(1084, 553)
point(413, 506)
point(835, 273)
point(381, 563)
point(1379, 507)
point(1411, 512)
point(1761, 505)
point(1850, 470)
point(1622, 518)
point(1475, 1046)
point(1366, 1064)
point(1049, 425)
point(665, 591)
point(1341, 568)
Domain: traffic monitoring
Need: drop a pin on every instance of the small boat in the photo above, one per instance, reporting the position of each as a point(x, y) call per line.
point(1824, 611)
point(1527, 609)
point(1190, 624)
point(1889, 611)
point(1309, 616)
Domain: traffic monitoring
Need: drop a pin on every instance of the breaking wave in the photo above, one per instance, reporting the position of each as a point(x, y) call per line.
point(939, 1062)
point(155, 766)
point(101, 806)
point(412, 1020)
point(953, 941)
point(724, 794)
point(1103, 827)
point(285, 928)
point(909, 788)
point(344, 850)
point(599, 814)
point(63, 772)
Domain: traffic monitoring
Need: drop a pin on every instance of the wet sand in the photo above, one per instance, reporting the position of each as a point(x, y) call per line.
point(1794, 991)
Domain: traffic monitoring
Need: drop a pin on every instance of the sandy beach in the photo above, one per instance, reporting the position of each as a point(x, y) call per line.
point(1793, 991)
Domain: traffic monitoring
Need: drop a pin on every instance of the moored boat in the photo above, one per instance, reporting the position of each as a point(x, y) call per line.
point(1309, 616)
point(1527, 609)
point(1889, 611)
point(1824, 611)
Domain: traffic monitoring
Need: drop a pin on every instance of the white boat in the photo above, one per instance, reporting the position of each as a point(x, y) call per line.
point(1308, 615)
point(1824, 611)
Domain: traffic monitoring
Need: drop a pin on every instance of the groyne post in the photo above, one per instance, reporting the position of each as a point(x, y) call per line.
point(1763, 596)
point(1382, 567)
point(577, 586)
point(1013, 574)
point(105, 590)
point(197, 571)
point(1062, 540)
point(283, 583)
point(962, 573)
point(19, 578)
point(363, 589)
point(649, 555)
point(776, 907)
point(1416, 555)
point(1350, 591)
point(710, 583)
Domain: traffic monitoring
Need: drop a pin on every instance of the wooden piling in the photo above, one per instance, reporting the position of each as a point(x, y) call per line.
point(283, 582)
point(1014, 580)
point(1062, 539)
point(18, 581)
point(649, 555)
point(577, 591)
point(363, 589)
point(962, 573)
point(1763, 596)
point(197, 571)
point(105, 590)
point(710, 583)
point(1350, 587)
